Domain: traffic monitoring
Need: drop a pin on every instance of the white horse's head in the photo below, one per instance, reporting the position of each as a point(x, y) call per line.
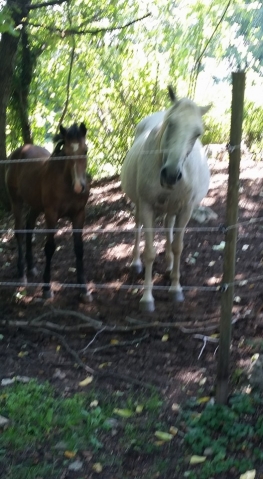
point(181, 127)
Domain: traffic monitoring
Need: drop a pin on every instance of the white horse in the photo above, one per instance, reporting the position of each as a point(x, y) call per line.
point(166, 171)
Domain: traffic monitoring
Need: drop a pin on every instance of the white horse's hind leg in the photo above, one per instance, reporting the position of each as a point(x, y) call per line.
point(175, 289)
point(147, 301)
point(136, 263)
point(169, 257)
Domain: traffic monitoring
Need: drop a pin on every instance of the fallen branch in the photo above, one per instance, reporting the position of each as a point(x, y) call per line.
point(116, 345)
point(81, 364)
point(71, 351)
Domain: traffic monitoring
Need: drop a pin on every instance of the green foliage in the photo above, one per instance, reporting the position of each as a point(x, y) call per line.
point(216, 131)
point(227, 432)
point(119, 75)
point(252, 126)
point(45, 417)
point(7, 23)
point(39, 418)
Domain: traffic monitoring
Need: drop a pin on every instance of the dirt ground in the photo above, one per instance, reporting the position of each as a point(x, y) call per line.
point(166, 356)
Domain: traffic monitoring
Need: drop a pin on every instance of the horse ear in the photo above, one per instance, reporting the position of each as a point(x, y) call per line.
point(83, 128)
point(172, 94)
point(62, 130)
point(204, 109)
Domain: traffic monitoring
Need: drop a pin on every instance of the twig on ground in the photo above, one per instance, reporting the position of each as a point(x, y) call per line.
point(71, 351)
point(93, 339)
point(205, 340)
point(116, 345)
point(93, 322)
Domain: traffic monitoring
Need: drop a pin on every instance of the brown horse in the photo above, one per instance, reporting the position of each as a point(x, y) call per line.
point(57, 187)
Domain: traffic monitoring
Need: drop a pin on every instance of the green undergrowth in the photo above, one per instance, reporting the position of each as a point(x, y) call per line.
point(229, 439)
point(64, 428)
point(47, 433)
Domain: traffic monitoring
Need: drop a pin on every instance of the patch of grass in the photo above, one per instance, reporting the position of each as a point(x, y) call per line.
point(232, 434)
point(30, 471)
point(37, 415)
point(40, 420)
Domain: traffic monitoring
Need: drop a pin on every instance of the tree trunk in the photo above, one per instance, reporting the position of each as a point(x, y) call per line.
point(8, 49)
point(26, 62)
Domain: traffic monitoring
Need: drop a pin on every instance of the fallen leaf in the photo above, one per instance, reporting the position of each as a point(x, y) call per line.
point(163, 436)
point(72, 270)
point(173, 430)
point(97, 467)
point(219, 247)
point(22, 354)
point(248, 475)
point(123, 412)
point(202, 381)
point(3, 421)
point(203, 399)
point(22, 379)
point(86, 381)
point(75, 466)
point(7, 381)
point(139, 408)
point(69, 454)
point(104, 365)
point(94, 403)
point(197, 459)
point(175, 407)
point(114, 341)
point(165, 337)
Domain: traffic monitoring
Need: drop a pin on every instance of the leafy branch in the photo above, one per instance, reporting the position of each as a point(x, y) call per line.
point(94, 31)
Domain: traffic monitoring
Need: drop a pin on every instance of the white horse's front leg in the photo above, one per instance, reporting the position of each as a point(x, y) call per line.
point(175, 289)
point(146, 215)
point(169, 257)
point(136, 263)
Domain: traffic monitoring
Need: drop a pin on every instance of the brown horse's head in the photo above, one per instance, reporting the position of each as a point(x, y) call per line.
point(72, 144)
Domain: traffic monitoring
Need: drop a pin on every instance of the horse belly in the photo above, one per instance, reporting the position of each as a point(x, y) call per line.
point(129, 173)
point(30, 186)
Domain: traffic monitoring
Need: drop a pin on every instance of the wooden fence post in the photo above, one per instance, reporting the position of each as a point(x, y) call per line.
point(238, 89)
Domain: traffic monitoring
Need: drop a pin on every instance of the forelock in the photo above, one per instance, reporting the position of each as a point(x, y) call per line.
point(74, 133)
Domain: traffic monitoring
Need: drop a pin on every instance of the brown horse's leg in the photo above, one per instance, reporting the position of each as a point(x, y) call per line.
point(78, 223)
point(30, 225)
point(17, 208)
point(50, 246)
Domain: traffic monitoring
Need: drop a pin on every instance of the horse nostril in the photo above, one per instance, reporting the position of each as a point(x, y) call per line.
point(179, 176)
point(170, 177)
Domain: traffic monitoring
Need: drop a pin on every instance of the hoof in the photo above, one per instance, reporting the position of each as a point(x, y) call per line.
point(47, 294)
point(32, 272)
point(147, 306)
point(136, 268)
point(85, 297)
point(176, 296)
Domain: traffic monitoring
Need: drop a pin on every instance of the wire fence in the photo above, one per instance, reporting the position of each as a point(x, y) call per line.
point(119, 77)
point(248, 226)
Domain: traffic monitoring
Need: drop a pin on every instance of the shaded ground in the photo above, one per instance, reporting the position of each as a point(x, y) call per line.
point(166, 357)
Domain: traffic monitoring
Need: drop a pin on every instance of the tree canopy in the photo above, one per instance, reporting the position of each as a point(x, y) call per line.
point(109, 63)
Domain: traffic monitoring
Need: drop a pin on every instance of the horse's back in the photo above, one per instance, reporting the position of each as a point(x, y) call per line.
point(21, 176)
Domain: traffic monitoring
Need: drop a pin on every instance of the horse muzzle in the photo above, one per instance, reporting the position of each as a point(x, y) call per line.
point(80, 187)
point(169, 178)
